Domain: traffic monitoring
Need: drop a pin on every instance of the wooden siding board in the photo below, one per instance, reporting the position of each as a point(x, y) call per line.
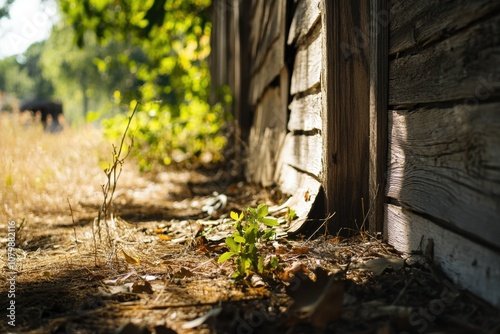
point(446, 163)
point(307, 67)
point(266, 137)
point(268, 45)
point(466, 263)
point(415, 26)
point(466, 65)
point(304, 189)
point(305, 113)
point(303, 153)
point(305, 17)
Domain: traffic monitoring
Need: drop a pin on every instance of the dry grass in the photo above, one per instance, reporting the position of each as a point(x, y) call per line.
point(40, 172)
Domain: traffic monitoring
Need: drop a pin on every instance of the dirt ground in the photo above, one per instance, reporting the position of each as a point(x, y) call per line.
point(155, 268)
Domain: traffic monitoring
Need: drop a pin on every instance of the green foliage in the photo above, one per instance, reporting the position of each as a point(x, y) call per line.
point(22, 77)
point(174, 38)
point(253, 229)
point(162, 139)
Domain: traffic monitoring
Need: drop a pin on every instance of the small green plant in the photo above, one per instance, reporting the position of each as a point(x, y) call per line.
point(253, 228)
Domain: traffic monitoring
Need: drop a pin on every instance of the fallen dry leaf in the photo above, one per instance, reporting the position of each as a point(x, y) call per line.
point(380, 264)
point(130, 259)
point(164, 237)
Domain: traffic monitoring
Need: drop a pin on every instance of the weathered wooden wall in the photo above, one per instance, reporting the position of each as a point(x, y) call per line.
point(393, 110)
point(444, 139)
point(285, 145)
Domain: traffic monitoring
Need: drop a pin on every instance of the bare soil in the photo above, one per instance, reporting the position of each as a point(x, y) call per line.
point(155, 268)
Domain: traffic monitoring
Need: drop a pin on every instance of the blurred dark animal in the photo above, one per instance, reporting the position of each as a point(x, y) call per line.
point(49, 111)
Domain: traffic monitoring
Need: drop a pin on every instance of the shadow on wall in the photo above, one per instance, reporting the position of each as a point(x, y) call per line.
point(51, 113)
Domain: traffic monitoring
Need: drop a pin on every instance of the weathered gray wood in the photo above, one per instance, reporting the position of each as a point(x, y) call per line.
point(268, 43)
point(446, 163)
point(346, 87)
point(266, 137)
point(465, 66)
point(304, 190)
point(304, 18)
point(256, 28)
point(379, 71)
point(271, 30)
point(261, 165)
point(303, 153)
point(305, 113)
point(415, 26)
point(468, 264)
point(307, 67)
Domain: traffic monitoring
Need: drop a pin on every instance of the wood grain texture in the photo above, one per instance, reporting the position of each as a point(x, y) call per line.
point(346, 87)
point(466, 263)
point(379, 71)
point(446, 163)
point(307, 67)
point(305, 113)
point(302, 153)
point(304, 190)
point(305, 17)
point(417, 26)
point(266, 137)
point(464, 66)
point(267, 38)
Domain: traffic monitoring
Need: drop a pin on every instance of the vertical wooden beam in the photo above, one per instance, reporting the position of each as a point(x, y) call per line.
point(346, 87)
point(244, 117)
point(327, 83)
point(379, 86)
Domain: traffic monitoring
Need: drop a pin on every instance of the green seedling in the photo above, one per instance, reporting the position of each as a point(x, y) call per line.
point(253, 228)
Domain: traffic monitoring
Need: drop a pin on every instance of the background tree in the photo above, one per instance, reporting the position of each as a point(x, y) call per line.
point(177, 122)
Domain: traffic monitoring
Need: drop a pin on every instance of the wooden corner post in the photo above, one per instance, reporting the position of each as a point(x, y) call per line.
point(345, 83)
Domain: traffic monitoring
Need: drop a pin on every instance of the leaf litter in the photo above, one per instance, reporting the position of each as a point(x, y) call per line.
point(162, 275)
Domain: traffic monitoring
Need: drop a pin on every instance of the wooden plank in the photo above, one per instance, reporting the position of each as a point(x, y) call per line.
point(266, 137)
point(305, 17)
point(458, 68)
point(468, 264)
point(346, 87)
point(261, 165)
point(305, 113)
point(417, 26)
point(304, 190)
point(379, 71)
point(307, 67)
point(271, 23)
point(446, 163)
point(244, 120)
point(256, 27)
point(271, 57)
point(303, 153)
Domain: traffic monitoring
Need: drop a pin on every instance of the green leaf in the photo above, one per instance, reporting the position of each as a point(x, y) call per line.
point(239, 239)
point(270, 221)
point(251, 234)
point(226, 256)
point(234, 216)
point(274, 262)
point(232, 245)
point(260, 266)
point(262, 210)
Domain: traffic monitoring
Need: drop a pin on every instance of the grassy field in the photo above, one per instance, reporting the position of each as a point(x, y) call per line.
point(40, 172)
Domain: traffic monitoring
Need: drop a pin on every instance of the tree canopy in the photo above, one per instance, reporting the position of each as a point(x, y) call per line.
point(107, 55)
